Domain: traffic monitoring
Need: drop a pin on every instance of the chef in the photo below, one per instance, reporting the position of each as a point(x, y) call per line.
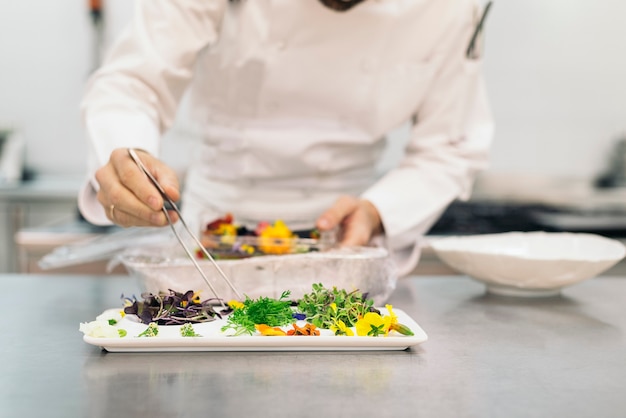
point(291, 101)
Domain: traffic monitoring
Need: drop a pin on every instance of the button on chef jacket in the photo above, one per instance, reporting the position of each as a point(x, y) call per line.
point(291, 102)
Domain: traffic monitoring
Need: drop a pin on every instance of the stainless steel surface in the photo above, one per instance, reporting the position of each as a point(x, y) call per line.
point(172, 206)
point(486, 356)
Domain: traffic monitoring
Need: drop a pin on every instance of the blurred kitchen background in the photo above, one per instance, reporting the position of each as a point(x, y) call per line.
point(555, 72)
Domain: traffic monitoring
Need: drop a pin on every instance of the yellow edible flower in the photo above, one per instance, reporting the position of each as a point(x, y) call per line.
point(196, 297)
point(248, 249)
point(373, 325)
point(276, 239)
point(392, 315)
point(395, 325)
point(235, 304)
point(340, 328)
point(226, 229)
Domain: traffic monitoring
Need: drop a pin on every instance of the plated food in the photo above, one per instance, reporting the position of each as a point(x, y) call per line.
point(178, 321)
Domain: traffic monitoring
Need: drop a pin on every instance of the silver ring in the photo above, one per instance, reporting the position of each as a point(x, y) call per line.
point(111, 209)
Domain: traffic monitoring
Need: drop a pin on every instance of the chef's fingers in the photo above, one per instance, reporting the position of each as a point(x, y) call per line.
point(125, 193)
point(334, 216)
point(116, 199)
point(361, 225)
point(120, 204)
point(167, 179)
point(122, 218)
point(164, 175)
point(356, 231)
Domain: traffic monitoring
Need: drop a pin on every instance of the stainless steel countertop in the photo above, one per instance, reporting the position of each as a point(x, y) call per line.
point(486, 356)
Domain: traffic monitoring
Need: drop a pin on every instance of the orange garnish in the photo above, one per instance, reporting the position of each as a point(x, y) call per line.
point(308, 329)
point(269, 331)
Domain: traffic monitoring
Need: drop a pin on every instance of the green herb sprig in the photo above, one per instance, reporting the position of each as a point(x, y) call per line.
point(264, 310)
point(324, 307)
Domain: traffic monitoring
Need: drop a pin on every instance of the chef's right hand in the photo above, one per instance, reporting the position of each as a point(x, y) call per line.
point(129, 197)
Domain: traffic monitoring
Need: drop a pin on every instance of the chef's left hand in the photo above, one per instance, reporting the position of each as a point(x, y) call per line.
point(358, 220)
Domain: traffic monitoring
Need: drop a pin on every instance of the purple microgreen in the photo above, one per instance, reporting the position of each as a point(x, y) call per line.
point(171, 308)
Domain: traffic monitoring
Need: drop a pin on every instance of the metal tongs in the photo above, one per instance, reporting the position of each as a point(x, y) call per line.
point(173, 206)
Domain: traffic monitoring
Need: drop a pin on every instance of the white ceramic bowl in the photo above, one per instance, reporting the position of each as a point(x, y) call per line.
point(529, 263)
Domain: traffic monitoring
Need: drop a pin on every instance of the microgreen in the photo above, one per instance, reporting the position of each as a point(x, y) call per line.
point(326, 307)
point(170, 308)
point(187, 331)
point(151, 331)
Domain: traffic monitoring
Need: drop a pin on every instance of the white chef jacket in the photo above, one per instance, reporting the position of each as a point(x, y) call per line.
point(291, 102)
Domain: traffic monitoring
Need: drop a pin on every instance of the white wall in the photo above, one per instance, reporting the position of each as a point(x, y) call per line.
point(44, 59)
point(555, 72)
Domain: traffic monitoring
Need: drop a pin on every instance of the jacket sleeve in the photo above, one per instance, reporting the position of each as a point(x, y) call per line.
point(449, 145)
point(132, 99)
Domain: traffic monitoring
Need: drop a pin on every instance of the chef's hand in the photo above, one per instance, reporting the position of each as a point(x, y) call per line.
point(129, 197)
point(358, 220)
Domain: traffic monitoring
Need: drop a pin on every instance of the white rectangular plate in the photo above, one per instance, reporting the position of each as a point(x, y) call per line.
point(213, 339)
